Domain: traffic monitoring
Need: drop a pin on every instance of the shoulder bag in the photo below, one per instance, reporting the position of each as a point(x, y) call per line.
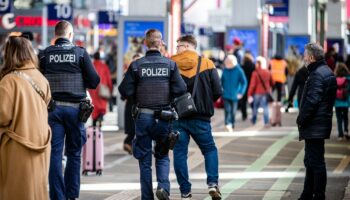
point(268, 94)
point(184, 105)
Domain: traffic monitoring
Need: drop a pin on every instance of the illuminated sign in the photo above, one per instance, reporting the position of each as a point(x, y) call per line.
point(5, 6)
point(60, 11)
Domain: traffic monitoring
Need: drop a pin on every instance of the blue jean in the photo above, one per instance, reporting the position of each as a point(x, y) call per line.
point(260, 100)
point(67, 131)
point(230, 111)
point(200, 131)
point(147, 128)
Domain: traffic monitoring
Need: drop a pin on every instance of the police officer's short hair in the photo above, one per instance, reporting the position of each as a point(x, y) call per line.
point(189, 39)
point(153, 38)
point(62, 28)
point(315, 50)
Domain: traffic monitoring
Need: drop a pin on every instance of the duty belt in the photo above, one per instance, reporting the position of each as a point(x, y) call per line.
point(147, 111)
point(62, 103)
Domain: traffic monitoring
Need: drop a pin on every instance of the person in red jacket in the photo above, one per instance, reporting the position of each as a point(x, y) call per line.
point(257, 92)
point(98, 100)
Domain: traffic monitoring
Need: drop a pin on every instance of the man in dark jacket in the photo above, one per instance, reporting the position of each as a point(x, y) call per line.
point(315, 120)
point(197, 126)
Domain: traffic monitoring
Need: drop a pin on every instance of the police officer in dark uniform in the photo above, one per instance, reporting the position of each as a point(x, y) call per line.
point(69, 70)
point(153, 81)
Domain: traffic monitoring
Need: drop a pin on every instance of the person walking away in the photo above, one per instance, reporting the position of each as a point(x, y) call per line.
point(234, 84)
point(24, 131)
point(154, 80)
point(298, 84)
point(238, 50)
point(111, 61)
point(342, 100)
point(197, 125)
point(102, 94)
point(278, 71)
point(248, 68)
point(69, 70)
point(129, 124)
point(315, 120)
point(260, 86)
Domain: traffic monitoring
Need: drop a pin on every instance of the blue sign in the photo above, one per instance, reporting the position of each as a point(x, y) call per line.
point(278, 8)
point(249, 38)
point(108, 17)
point(295, 44)
point(134, 33)
point(60, 11)
point(5, 6)
point(187, 29)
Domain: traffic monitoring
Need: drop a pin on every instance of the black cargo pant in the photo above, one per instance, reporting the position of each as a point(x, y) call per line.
point(316, 173)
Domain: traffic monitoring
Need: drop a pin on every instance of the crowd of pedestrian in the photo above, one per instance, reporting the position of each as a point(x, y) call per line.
point(51, 90)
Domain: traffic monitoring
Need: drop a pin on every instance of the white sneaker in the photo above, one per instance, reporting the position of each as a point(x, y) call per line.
point(229, 128)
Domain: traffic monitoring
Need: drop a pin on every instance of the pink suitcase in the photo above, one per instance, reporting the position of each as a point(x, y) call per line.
point(276, 115)
point(93, 153)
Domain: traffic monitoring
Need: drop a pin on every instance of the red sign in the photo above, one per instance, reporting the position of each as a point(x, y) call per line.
point(32, 21)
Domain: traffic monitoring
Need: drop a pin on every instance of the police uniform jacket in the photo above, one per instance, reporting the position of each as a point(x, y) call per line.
point(153, 81)
point(69, 70)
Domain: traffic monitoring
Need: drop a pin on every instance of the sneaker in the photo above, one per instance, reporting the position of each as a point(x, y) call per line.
point(340, 138)
point(162, 194)
point(229, 128)
point(128, 148)
point(187, 196)
point(214, 192)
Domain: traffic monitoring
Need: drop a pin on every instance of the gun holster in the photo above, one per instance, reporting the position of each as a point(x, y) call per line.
point(168, 115)
point(85, 110)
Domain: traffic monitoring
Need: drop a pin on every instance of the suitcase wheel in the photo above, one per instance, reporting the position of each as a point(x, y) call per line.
point(99, 172)
point(85, 173)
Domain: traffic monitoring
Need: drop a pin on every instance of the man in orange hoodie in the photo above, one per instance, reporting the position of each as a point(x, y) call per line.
point(197, 125)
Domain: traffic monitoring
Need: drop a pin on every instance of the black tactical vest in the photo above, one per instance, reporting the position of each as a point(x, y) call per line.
point(62, 70)
point(153, 82)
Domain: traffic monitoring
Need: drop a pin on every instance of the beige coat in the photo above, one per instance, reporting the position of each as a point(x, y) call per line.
point(24, 137)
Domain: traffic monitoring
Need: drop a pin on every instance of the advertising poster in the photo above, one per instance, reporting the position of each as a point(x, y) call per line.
point(249, 37)
point(134, 32)
point(295, 44)
point(337, 44)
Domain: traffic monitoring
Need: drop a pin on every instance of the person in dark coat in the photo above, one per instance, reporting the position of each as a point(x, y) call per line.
point(248, 68)
point(315, 120)
point(298, 83)
point(129, 124)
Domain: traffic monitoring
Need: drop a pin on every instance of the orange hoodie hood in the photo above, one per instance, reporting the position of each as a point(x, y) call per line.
point(186, 60)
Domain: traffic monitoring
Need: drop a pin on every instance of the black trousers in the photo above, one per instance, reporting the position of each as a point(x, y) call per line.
point(243, 106)
point(316, 174)
point(278, 86)
point(342, 120)
point(129, 123)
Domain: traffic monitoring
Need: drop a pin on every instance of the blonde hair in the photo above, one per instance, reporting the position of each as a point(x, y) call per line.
point(18, 52)
point(232, 59)
point(262, 61)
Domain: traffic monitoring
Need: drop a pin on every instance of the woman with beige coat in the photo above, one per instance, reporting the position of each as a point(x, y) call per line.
point(24, 131)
